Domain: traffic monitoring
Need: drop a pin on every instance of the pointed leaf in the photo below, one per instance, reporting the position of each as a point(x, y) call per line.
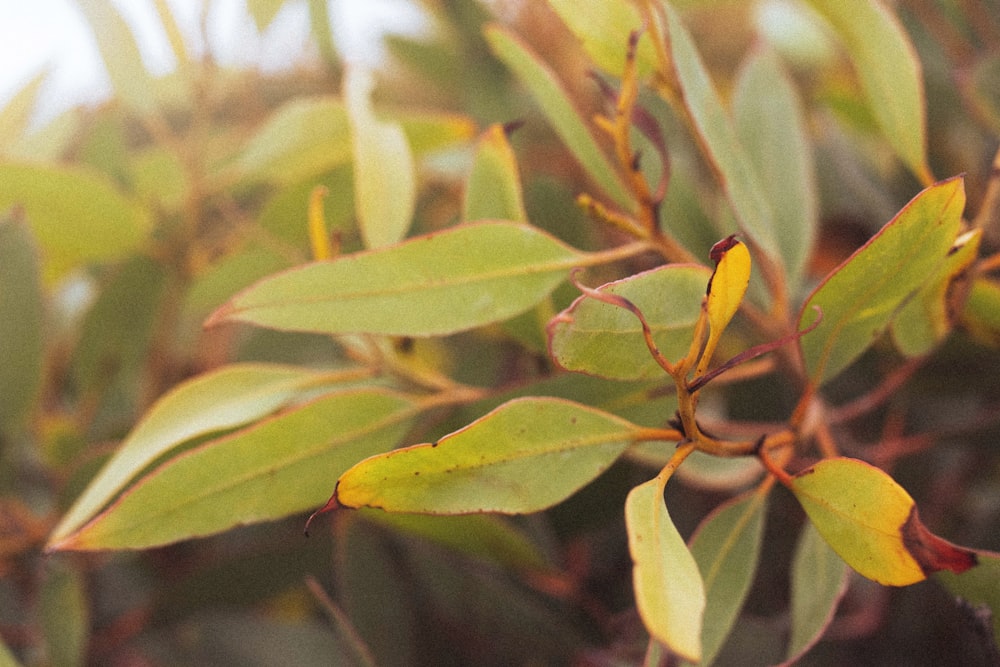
point(872, 523)
point(304, 138)
point(727, 286)
point(889, 71)
point(440, 283)
point(601, 339)
point(65, 613)
point(267, 471)
point(76, 215)
point(263, 12)
point(21, 322)
point(771, 125)
point(860, 298)
point(603, 31)
point(741, 183)
point(727, 549)
point(493, 190)
point(525, 456)
point(15, 116)
point(668, 587)
point(819, 581)
point(926, 319)
point(121, 55)
point(219, 400)
point(555, 104)
point(385, 187)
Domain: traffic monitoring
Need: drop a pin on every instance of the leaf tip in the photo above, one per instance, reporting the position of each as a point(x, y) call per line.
point(931, 552)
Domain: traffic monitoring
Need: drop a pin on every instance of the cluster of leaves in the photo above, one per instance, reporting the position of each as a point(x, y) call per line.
point(372, 274)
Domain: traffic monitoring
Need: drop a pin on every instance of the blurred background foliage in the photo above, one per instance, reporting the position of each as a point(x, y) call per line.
point(124, 225)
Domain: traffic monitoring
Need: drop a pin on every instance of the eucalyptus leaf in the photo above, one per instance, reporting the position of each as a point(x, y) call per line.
point(668, 587)
point(440, 283)
point(711, 122)
point(121, 55)
point(21, 323)
point(603, 30)
point(385, 188)
point(558, 109)
point(926, 319)
point(525, 456)
point(302, 139)
point(889, 71)
point(771, 125)
point(819, 580)
point(604, 340)
point(860, 298)
point(222, 399)
point(77, 215)
point(266, 471)
point(493, 190)
point(726, 547)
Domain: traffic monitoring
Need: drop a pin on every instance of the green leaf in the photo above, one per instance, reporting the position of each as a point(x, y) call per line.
point(669, 591)
point(819, 580)
point(264, 11)
point(76, 215)
point(64, 614)
point(229, 275)
point(981, 314)
point(601, 339)
point(219, 400)
point(493, 190)
point(889, 71)
point(439, 283)
point(428, 131)
point(860, 298)
point(21, 323)
point(15, 116)
point(604, 29)
point(739, 179)
point(555, 104)
point(385, 188)
point(279, 466)
point(525, 456)
point(121, 55)
point(303, 139)
point(771, 125)
point(872, 523)
point(484, 536)
point(926, 319)
point(727, 549)
point(118, 330)
point(978, 586)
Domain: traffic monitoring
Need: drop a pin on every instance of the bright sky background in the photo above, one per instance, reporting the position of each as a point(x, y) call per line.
point(36, 35)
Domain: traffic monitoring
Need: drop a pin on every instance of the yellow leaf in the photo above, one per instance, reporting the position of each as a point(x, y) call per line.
point(872, 523)
point(726, 288)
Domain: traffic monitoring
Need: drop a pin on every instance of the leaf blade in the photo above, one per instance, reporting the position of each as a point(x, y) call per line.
point(600, 339)
point(726, 548)
point(871, 522)
point(559, 111)
point(860, 298)
point(267, 471)
point(385, 187)
point(522, 457)
point(890, 74)
point(440, 283)
point(228, 397)
point(668, 587)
